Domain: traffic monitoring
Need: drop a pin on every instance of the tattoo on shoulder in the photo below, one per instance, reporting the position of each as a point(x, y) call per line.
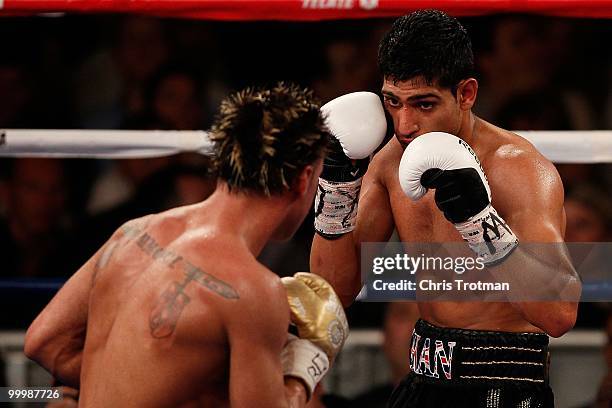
point(173, 300)
point(106, 255)
point(129, 232)
point(169, 306)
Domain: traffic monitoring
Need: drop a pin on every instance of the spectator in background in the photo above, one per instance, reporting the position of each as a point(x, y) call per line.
point(343, 70)
point(167, 187)
point(400, 318)
point(604, 395)
point(589, 217)
point(35, 235)
point(35, 231)
point(16, 101)
point(120, 179)
point(189, 35)
point(350, 63)
point(523, 55)
point(173, 99)
point(589, 220)
point(534, 111)
point(574, 175)
point(110, 84)
point(545, 111)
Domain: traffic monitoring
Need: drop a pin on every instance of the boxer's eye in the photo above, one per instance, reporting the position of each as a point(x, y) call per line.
point(426, 106)
point(394, 103)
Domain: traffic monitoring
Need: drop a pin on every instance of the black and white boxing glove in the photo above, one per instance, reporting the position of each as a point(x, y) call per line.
point(448, 164)
point(357, 122)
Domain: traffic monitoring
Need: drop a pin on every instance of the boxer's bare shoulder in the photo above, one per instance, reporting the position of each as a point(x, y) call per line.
point(521, 178)
point(494, 144)
point(522, 161)
point(227, 276)
point(262, 305)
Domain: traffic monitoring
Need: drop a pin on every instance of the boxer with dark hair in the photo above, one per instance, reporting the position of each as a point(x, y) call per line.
point(175, 311)
point(463, 354)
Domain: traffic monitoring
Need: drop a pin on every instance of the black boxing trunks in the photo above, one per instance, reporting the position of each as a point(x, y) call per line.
point(476, 369)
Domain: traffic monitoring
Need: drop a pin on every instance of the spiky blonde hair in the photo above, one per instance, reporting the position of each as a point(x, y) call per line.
point(265, 137)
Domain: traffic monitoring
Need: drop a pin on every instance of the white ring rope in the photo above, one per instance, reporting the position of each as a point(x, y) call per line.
point(101, 144)
point(558, 146)
point(575, 146)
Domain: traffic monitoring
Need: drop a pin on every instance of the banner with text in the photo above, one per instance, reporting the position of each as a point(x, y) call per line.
point(434, 272)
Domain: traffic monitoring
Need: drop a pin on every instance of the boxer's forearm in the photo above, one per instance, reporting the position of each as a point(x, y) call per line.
point(357, 125)
point(295, 392)
point(539, 272)
point(338, 262)
point(545, 288)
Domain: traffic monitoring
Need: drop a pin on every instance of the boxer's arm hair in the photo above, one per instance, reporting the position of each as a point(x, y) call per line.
point(257, 332)
point(532, 205)
point(338, 260)
point(56, 338)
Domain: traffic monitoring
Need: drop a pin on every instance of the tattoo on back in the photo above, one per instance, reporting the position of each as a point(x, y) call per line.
point(173, 300)
point(106, 255)
point(169, 306)
point(129, 232)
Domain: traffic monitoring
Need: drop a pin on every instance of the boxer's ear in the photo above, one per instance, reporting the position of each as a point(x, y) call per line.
point(302, 182)
point(466, 93)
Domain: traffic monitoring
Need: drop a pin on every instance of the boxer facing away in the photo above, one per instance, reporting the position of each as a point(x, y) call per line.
point(175, 311)
point(429, 183)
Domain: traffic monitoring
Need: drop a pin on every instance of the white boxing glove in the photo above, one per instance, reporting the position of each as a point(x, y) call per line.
point(448, 164)
point(357, 122)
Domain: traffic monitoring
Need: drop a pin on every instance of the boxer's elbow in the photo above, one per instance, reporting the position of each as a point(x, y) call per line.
point(562, 321)
point(557, 318)
point(60, 359)
point(565, 312)
point(36, 344)
point(41, 346)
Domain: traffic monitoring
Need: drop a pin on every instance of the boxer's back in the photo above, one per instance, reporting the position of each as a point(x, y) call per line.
point(156, 335)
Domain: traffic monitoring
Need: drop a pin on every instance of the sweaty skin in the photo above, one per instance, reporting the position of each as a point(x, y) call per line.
point(177, 312)
point(526, 191)
point(165, 299)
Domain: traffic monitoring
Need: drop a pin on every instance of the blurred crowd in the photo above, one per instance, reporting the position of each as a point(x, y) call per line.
point(133, 72)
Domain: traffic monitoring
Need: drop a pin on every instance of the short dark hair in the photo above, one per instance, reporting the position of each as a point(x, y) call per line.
point(265, 137)
point(427, 43)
